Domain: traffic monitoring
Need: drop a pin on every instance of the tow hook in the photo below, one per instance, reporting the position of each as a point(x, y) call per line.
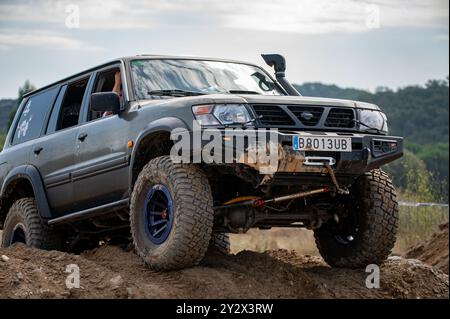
point(340, 190)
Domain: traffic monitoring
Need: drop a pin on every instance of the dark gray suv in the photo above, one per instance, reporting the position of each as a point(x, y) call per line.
point(94, 157)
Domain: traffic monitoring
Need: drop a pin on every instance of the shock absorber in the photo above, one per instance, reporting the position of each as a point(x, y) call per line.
point(259, 202)
point(340, 190)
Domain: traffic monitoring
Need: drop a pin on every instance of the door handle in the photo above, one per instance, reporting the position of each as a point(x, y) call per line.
point(82, 137)
point(38, 150)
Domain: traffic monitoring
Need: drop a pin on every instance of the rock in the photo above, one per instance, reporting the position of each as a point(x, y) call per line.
point(130, 293)
point(4, 258)
point(394, 258)
point(116, 282)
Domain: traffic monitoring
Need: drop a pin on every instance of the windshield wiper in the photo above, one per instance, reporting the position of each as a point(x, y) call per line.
point(174, 92)
point(243, 92)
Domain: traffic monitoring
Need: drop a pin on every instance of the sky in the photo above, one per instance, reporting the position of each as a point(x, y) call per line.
point(362, 44)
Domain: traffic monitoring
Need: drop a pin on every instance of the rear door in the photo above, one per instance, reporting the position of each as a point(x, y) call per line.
point(54, 152)
point(102, 156)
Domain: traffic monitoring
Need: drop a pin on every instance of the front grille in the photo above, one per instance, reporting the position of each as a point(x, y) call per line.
point(303, 114)
point(273, 115)
point(341, 118)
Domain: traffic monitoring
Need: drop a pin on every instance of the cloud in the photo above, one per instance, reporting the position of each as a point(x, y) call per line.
point(326, 16)
point(40, 38)
point(94, 14)
point(298, 16)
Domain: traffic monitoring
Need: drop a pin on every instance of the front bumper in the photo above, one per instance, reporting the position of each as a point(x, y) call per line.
point(367, 152)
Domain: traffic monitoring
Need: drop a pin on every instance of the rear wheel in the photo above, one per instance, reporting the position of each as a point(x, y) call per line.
point(171, 214)
point(366, 231)
point(23, 224)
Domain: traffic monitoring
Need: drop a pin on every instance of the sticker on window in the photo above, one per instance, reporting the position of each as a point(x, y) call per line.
point(27, 108)
point(23, 127)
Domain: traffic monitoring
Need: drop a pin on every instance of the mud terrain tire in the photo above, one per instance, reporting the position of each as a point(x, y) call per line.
point(191, 214)
point(24, 224)
point(219, 243)
point(368, 233)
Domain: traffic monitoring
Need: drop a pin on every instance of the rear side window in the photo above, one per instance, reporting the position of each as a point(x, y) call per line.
point(33, 116)
point(71, 107)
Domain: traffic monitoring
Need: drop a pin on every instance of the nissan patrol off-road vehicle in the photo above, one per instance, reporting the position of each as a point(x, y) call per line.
point(92, 158)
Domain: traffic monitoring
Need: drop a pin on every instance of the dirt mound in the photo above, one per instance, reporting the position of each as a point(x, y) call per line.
point(434, 251)
point(110, 272)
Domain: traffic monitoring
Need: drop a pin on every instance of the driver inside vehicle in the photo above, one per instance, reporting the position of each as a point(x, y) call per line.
point(117, 88)
point(118, 85)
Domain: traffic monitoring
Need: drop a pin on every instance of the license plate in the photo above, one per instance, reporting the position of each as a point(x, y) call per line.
point(321, 143)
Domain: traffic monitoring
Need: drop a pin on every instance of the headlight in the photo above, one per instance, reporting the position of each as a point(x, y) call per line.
point(373, 120)
point(224, 114)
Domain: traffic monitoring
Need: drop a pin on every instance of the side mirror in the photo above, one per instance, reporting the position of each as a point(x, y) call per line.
point(105, 102)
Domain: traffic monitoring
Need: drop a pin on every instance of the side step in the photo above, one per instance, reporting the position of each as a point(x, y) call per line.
point(89, 213)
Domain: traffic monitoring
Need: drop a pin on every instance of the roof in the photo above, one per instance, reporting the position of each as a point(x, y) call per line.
point(130, 58)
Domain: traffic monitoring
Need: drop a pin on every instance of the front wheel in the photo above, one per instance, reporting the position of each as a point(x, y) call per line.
point(171, 214)
point(367, 229)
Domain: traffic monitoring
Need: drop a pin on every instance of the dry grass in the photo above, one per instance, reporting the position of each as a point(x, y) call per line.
point(417, 224)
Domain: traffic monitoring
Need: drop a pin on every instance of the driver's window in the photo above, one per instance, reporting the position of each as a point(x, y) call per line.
point(107, 81)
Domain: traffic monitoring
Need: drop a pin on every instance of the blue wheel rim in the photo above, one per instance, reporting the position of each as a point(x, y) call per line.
point(158, 214)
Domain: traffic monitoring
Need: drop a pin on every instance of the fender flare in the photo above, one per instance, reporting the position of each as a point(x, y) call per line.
point(167, 124)
point(31, 174)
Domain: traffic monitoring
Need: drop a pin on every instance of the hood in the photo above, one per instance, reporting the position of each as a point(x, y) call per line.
point(259, 99)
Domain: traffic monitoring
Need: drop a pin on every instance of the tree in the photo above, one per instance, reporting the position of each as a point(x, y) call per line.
point(411, 175)
point(24, 89)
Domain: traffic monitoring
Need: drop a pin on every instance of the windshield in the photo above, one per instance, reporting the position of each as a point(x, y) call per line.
point(193, 77)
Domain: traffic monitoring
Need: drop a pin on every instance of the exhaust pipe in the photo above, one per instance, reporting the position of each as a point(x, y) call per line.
point(278, 62)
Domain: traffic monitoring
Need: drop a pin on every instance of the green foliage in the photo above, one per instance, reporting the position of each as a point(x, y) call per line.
point(2, 141)
point(411, 175)
point(420, 114)
point(434, 155)
point(5, 108)
point(330, 91)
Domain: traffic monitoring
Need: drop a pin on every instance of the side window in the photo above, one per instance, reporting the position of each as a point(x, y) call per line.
point(107, 81)
point(71, 106)
point(33, 116)
point(53, 122)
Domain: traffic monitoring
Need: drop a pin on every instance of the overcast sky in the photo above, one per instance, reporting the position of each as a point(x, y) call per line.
point(350, 43)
